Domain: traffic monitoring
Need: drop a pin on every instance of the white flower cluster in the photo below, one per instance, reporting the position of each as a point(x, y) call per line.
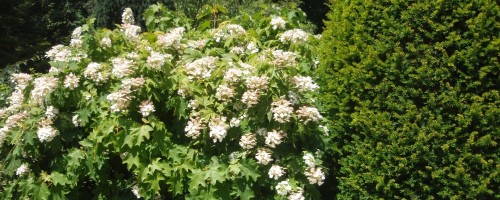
point(232, 75)
point(263, 156)
point(247, 68)
point(11, 122)
point(3, 135)
point(304, 83)
point(307, 114)
point(46, 132)
point(294, 36)
point(248, 141)
point(192, 104)
point(325, 129)
point(122, 67)
point(219, 36)
point(105, 42)
point(250, 97)
point(157, 60)
point(201, 68)
point(224, 92)
point(231, 30)
point(59, 53)
point(16, 98)
point(194, 127)
point(128, 16)
point(261, 131)
point(43, 87)
point(173, 38)
point(121, 99)
point(283, 58)
point(252, 48)
point(278, 22)
point(77, 32)
point(255, 85)
point(135, 191)
point(71, 81)
point(133, 84)
point(51, 112)
point(93, 72)
point(146, 108)
point(276, 172)
point(218, 128)
point(54, 70)
point(131, 31)
point(257, 82)
point(274, 138)
point(283, 188)
point(237, 50)
point(197, 44)
point(75, 120)
point(314, 174)
point(134, 56)
point(282, 110)
point(14, 120)
point(309, 160)
point(235, 30)
point(21, 170)
point(298, 195)
point(76, 38)
point(235, 122)
point(21, 80)
point(182, 91)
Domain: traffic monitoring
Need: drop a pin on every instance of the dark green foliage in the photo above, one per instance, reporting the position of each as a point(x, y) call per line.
point(316, 12)
point(30, 27)
point(412, 89)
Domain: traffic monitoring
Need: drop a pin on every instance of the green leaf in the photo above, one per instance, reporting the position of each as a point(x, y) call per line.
point(131, 161)
point(157, 165)
point(242, 189)
point(196, 178)
point(43, 192)
point(59, 179)
point(75, 156)
point(129, 141)
point(216, 172)
point(249, 170)
point(155, 181)
point(83, 116)
point(141, 133)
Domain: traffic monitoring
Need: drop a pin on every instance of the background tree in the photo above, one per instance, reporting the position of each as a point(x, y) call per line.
point(29, 28)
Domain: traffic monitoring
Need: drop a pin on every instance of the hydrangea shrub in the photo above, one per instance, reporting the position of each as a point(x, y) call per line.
point(221, 112)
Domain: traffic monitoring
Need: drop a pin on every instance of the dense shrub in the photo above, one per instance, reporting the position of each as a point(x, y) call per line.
point(223, 110)
point(412, 88)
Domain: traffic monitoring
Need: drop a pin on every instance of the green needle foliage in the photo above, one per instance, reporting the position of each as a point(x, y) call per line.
point(412, 88)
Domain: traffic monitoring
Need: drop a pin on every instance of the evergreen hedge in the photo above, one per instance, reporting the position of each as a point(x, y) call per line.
point(412, 89)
